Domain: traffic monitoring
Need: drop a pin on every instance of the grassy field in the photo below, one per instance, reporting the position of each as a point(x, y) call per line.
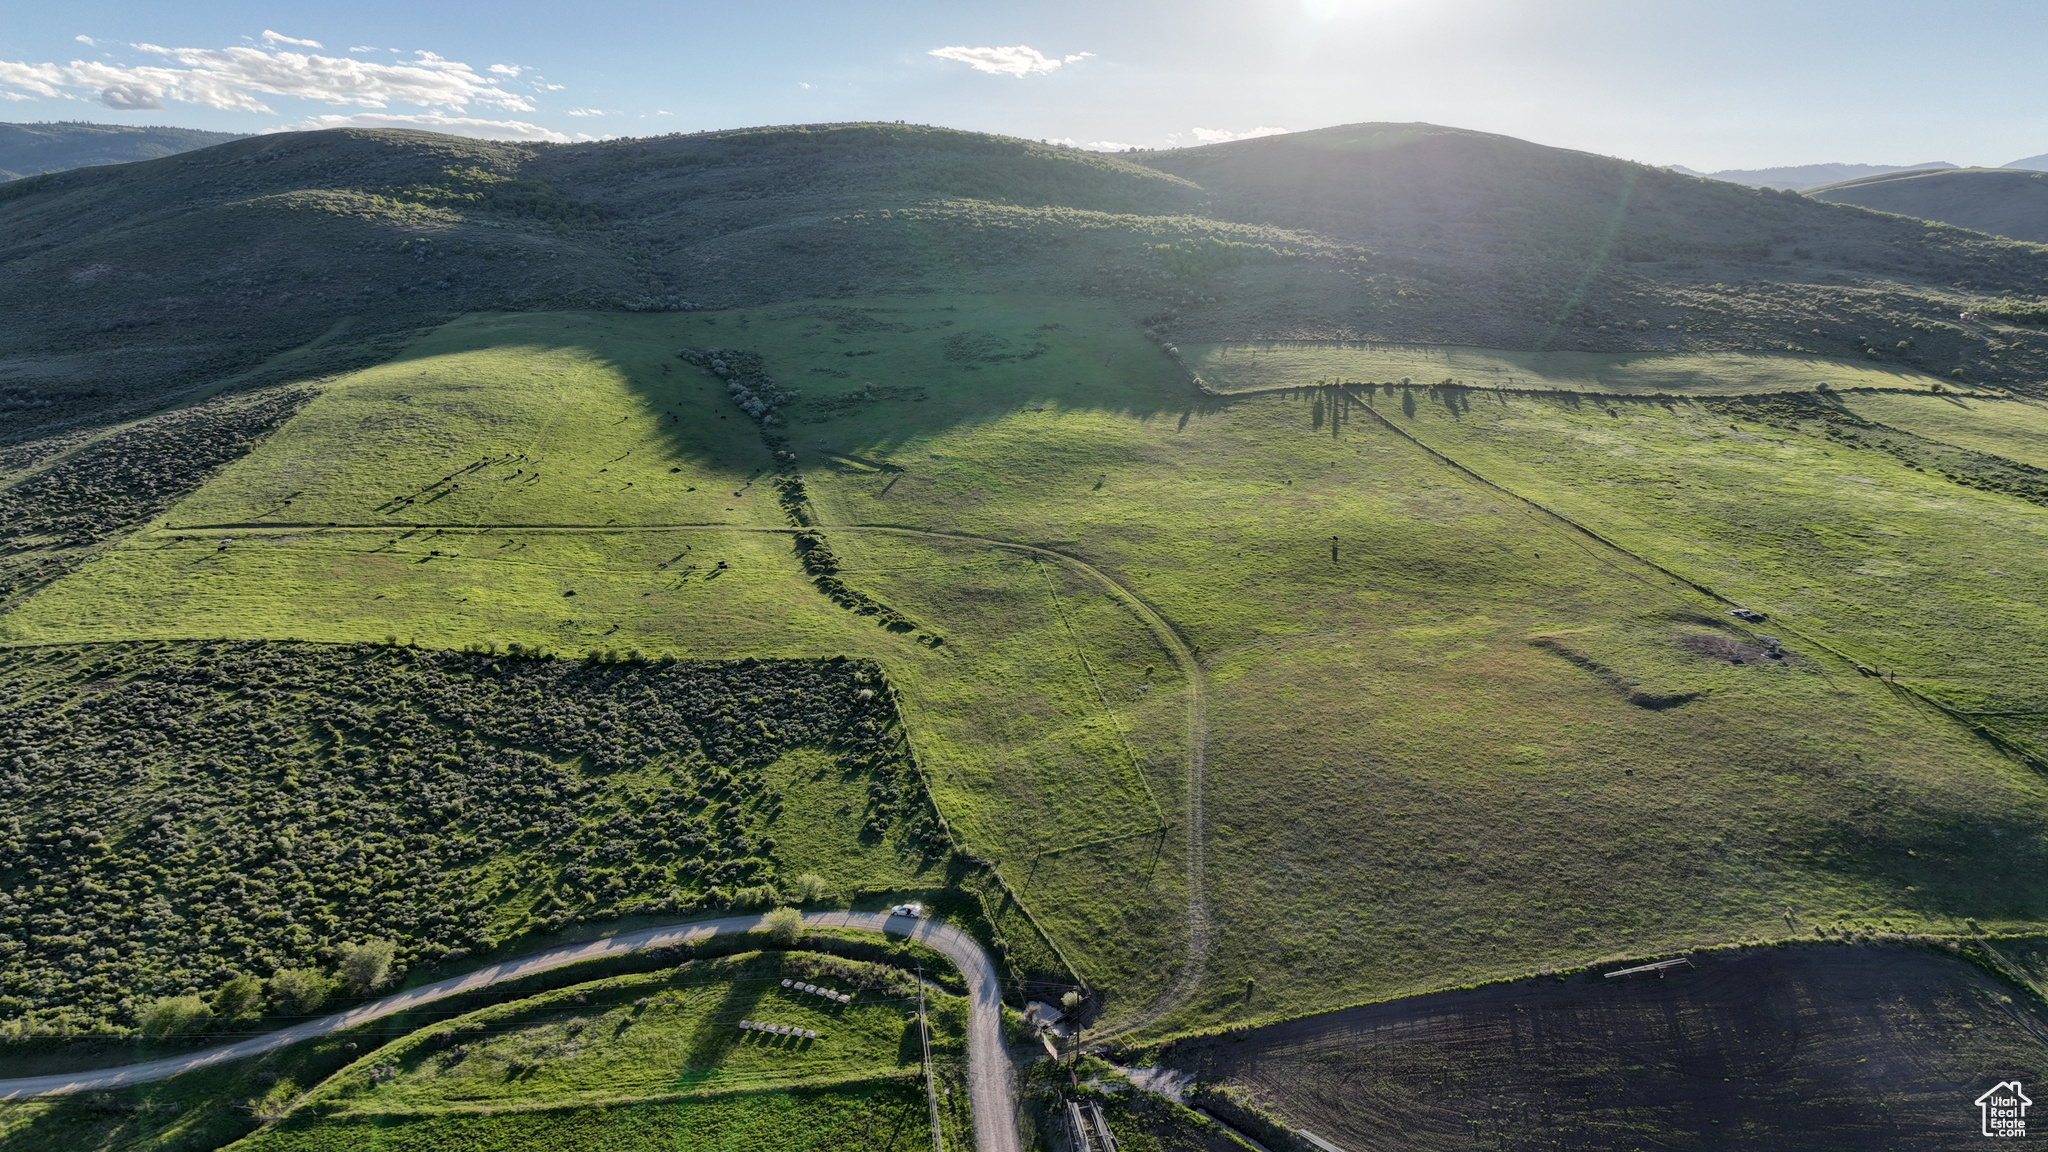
point(646, 1059)
point(1255, 367)
point(1013, 716)
point(1892, 564)
point(890, 1117)
point(2014, 429)
point(657, 1060)
point(662, 1035)
point(1448, 738)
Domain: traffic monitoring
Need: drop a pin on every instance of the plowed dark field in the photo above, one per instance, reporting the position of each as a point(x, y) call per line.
point(1810, 1048)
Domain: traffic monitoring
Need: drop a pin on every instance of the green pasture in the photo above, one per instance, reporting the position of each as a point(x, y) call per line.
point(1427, 762)
point(649, 1060)
point(1263, 365)
point(2014, 429)
point(1892, 565)
point(634, 1039)
point(1017, 718)
point(549, 419)
point(654, 1060)
point(890, 1117)
point(1470, 743)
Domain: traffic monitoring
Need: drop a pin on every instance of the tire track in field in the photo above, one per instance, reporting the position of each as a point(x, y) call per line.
point(1183, 655)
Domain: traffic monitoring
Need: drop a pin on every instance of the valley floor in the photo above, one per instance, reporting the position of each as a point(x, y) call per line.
point(1264, 705)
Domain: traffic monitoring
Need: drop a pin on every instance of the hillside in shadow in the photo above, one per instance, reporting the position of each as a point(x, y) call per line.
point(135, 286)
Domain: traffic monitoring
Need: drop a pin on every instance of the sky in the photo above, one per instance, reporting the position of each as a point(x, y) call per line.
point(1710, 85)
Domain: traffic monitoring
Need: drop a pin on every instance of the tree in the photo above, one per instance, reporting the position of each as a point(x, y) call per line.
point(173, 1016)
point(298, 991)
point(811, 888)
point(784, 925)
point(239, 998)
point(366, 967)
point(1071, 1002)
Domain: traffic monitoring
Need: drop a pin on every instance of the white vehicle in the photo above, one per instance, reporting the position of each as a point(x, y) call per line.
point(914, 911)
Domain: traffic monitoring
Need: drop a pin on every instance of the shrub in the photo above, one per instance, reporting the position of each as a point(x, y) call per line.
point(366, 967)
point(173, 1016)
point(428, 776)
point(239, 998)
point(811, 888)
point(298, 991)
point(2019, 311)
point(757, 896)
point(785, 925)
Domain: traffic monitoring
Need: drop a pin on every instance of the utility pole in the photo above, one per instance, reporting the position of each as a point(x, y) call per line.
point(931, 1088)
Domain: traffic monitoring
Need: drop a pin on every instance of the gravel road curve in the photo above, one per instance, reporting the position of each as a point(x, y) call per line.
point(990, 1075)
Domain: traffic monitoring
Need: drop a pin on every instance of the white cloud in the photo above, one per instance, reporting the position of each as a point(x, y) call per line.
point(14, 96)
point(128, 97)
point(364, 48)
point(432, 122)
point(270, 37)
point(83, 39)
point(41, 79)
point(1016, 60)
point(506, 70)
point(1093, 145)
point(1219, 136)
point(586, 111)
point(234, 79)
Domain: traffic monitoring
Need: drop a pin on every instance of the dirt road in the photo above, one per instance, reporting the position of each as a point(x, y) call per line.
point(991, 1079)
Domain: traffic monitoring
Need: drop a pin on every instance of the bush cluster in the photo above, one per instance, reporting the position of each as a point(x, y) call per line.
point(746, 381)
point(130, 476)
point(824, 410)
point(2018, 311)
point(821, 564)
point(180, 816)
point(794, 497)
point(473, 187)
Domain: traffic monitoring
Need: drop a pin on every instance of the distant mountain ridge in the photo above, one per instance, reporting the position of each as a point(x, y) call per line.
point(124, 286)
point(1800, 177)
point(2009, 201)
point(32, 149)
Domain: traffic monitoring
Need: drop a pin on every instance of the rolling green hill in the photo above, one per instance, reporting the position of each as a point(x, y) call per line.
point(33, 149)
point(2002, 201)
point(1253, 582)
point(1184, 666)
point(135, 286)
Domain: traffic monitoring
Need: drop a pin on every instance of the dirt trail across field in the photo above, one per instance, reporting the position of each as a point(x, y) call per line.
point(1197, 737)
point(1182, 652)
point(991, 1078)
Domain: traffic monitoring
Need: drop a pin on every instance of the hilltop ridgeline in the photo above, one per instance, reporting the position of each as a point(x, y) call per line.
point(129, 285)
point(2010, 202)
point(33, 149)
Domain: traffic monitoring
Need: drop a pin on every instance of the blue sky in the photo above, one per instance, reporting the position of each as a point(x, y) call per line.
point(1734, 83)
